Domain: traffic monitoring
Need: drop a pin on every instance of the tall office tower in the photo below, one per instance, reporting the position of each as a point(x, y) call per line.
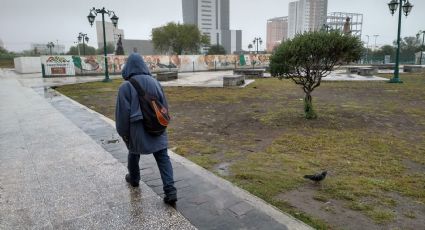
point(213, 19)
point(277, 31)
point(110, 31)
point(306, 15)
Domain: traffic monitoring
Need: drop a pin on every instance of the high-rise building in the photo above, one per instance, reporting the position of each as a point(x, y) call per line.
point(306, 15)
point(277, 31)
point(110, 31)
point(336, 21)
point(1, 44)
point(212, 17)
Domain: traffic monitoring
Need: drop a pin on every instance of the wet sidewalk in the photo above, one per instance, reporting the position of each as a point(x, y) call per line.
point(55, 176)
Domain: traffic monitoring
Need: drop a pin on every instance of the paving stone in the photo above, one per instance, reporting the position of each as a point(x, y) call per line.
point(241, 208)
point(255, 219)
point(98, 220)
point(71, 207)
point(150, 213)
point(146, 171)
point(35, 217)
point(225, 200)
point(199, 199)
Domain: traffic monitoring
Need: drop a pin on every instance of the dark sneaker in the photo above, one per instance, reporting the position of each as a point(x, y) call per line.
point(170, 199)
point(132, 183)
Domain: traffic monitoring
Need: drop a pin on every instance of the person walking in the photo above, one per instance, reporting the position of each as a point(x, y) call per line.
point(129, 125)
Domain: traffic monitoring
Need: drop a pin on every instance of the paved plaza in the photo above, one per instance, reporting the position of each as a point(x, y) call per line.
point(63, 165)
point(54, 176)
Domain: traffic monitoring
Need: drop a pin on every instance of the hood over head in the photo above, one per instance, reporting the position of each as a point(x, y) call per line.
point(135, 66)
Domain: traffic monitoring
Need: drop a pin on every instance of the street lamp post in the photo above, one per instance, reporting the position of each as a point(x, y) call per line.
point(406, 8)
point(50, 45)
point(376, 36)
point(367, 49)
point(82, 36)
point(91, 17)
point(78, 47)
point(257, 41)
point(423, 40)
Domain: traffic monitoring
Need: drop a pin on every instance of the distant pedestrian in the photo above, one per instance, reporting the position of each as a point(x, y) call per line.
point(129, 124)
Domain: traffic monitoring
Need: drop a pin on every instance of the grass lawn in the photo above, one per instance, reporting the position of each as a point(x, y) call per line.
point(369, 136)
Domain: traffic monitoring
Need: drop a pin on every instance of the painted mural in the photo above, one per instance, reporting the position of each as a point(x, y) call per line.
point(58, 65)
point(157, 63)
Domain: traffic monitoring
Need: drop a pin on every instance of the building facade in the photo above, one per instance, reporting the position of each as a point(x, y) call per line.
point(277, 31)
point(41, 48)
point(306, 15)
point(212, 17)
point(110, 31)
point(336, 21)
point(143, 47)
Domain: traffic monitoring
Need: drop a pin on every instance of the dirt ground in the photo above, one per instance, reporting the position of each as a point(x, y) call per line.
point(370, 136)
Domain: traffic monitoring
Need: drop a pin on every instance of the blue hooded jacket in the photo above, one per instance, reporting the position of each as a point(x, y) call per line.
point(128, 115)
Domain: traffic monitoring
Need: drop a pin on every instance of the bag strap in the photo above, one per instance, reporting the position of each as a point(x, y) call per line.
point(137, 86)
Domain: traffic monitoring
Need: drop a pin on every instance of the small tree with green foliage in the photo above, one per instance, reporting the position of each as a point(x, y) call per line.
point(179, 38)
point(89, 50)
point(310, 56)
point(216, 50)
point(110, 48)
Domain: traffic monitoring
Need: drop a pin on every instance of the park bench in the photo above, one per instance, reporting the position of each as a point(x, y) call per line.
point(166, 76)
point(414, 68)
point(250, 73)
point(352, 69)
point(233, 80)
point(367, 71)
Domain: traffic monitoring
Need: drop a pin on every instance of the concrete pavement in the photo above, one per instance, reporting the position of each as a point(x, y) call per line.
point(54, 176)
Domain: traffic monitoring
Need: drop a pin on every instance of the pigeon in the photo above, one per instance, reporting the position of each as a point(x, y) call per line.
point(317, 177)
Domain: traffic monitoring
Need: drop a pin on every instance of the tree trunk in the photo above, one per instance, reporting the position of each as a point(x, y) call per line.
point(308, 107)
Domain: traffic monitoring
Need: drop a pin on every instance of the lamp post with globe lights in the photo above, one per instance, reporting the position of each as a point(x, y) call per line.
point(83, 37)
point(406, 8)
point(257, 41)
point(91, 17)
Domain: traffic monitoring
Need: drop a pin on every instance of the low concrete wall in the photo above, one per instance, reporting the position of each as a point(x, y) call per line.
point(27, 64)
point(166, 76)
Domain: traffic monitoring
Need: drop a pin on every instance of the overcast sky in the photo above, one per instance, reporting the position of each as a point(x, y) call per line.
point(41, 21)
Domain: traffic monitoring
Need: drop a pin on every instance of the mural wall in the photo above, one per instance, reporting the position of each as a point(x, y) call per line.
point(157, 63)
point(58, 65)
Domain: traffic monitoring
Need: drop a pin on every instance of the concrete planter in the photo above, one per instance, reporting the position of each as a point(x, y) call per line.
point(233, 80)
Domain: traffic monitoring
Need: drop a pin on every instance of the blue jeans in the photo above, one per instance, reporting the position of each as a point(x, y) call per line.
point(165, 169)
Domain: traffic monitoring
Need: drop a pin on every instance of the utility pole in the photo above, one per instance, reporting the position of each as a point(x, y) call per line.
point(376, 35)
